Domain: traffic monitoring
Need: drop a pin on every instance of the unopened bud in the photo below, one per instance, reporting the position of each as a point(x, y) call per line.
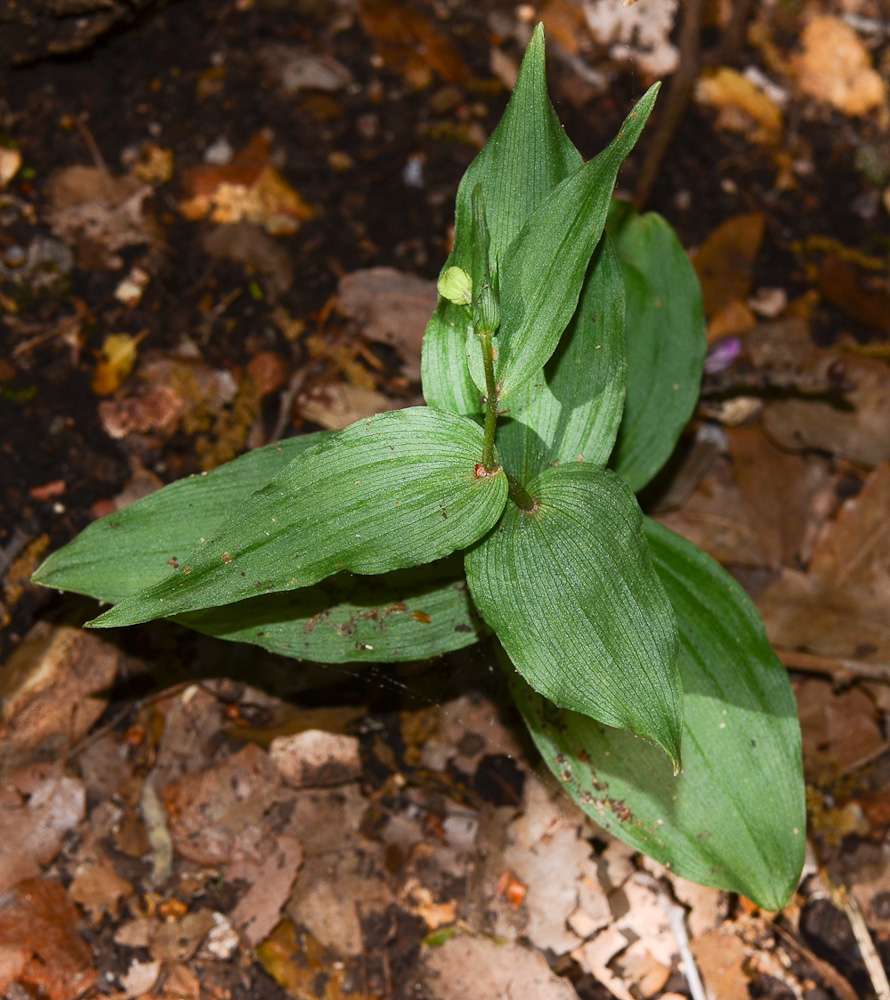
point(456, 286)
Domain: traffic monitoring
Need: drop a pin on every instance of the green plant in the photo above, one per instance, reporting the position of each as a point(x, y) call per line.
point(641, 668)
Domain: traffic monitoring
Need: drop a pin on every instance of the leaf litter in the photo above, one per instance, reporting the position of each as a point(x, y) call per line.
point(422, 849)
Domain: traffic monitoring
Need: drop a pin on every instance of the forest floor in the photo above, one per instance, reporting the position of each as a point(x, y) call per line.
point(210, 211)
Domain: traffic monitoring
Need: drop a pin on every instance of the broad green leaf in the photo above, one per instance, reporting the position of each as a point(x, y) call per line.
point(570, 591)
point(543, 269)
point(409, 614)
point(571, 410)
point(666, 343)
point(139, 545)
point(388, 492)
point(734, 817)
point(527, 155)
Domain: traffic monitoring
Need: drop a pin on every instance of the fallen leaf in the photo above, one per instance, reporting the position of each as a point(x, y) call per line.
point(99, 214)
point(53, 688)
point(99, 889)
point(156, 411)
point(10, 163)
point(41, 948)
point(478, 968)
point(742, 105)
point(210, 809)
point(259, 909)
point(835, 66)
point(840, 729)
point(34, 823)
point(338, 406)
point(115, 363)
point(247, 189)
point(410, 44)
point(248, 244)
point(296, 68)
point(641, 35)
point(720, 958)
point(724, 262)
point(842, 285)
point(390, 307)
point(315, 758)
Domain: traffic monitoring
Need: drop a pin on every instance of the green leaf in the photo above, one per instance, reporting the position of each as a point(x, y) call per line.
point(666, 342)
point(543, 269)
point(388, 492)
point(527, 155)
point(735, 817)
point(137, 546)
point(409, 614)
point(570, 591)
point(571, 410)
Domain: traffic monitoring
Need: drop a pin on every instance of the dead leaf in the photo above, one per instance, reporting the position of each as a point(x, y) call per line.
point(338, 406)
point(742, 105)
point(316, 758)
point(835, 66)
point(724, 262)
point(117, 360)
point(297, 69)
point(478, 968)
point(843, 286)
point(210, 809)
point(410, 44)
point(247, 189)
point(390, 307)
point(840, 729)
point(156, 411)
point(34, 819)
point(259, 909)
point(842, 607)
point(720, 958)
point(99, 889)
point(641, 34)
point(99, 214)
point(39, 944)
point(52, 688)
point(10, 162)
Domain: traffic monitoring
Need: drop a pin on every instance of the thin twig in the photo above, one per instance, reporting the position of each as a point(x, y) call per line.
point(840, 668)
point(678, 96)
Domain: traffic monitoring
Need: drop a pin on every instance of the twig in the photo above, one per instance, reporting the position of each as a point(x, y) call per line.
point(678, 97)
point(286, 397)
point(841, 669)
point(870, 956)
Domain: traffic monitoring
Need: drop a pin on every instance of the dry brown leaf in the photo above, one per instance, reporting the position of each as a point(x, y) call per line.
point(468, 968)
point(40, 948)
point(248, 244)
point(835, 66)
point(248, 189)
point(843, 286)
point(259, 909)
point(99, 214)
point(316, 758)
point(299, 69)
point(742, 105)
point(390, 307)
point(840, 729)
point(156, 411)
point(210, 809)
point(52, 688)
point(720, 958)
point(725, 261)
point(775, 491)
point(38, 809)
point(99, 889)
point(338, 406)
point(10, 162)
point(410, 44)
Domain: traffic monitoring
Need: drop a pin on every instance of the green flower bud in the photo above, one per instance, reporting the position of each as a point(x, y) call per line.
point(456, 286)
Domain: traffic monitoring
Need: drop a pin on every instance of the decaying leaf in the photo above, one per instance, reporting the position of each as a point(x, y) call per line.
point(724, 262)
point(836, 67)
point(742, 105)
point(39, 944)
point(248, 188)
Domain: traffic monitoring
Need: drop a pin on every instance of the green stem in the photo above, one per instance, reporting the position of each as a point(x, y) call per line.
point(491, 404)
point(520, 496)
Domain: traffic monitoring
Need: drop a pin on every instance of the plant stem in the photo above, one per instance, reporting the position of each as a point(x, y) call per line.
point(520, 496)
point(491, 403)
